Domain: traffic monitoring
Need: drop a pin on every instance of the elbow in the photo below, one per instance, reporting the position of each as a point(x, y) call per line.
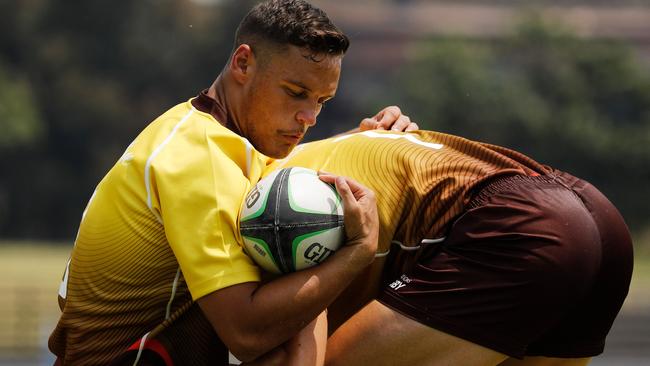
point(248, 348)
point(277, 356)
point(245, 354)
point(242, 328)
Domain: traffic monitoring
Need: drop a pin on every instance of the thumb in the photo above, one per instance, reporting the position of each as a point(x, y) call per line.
point(368, 124)
point(347, 196)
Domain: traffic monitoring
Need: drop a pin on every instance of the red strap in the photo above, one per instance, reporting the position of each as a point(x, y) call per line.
point(155, 346)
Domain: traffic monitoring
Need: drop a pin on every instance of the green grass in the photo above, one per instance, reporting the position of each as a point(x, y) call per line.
point(639, 297)
point(30, 274)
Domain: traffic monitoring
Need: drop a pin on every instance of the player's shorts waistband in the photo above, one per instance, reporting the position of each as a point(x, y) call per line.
point(515, 181)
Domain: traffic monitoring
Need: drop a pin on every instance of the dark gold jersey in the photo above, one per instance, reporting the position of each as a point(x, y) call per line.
point(422, 180)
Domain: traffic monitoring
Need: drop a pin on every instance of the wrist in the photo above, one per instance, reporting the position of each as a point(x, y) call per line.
point(359, 253)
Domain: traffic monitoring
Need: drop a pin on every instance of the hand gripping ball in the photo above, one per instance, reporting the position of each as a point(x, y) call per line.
point(291, 220)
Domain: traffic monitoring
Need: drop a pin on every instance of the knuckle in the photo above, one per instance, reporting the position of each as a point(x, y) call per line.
point(367, 123)
point(371, 195)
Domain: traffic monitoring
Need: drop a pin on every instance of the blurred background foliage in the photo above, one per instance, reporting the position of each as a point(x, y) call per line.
point(79, 80)
point(578, 105)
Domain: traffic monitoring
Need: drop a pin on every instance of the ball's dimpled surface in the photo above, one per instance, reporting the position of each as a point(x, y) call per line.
point(291, 220)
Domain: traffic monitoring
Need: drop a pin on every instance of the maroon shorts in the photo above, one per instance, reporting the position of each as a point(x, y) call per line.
point(536, 266)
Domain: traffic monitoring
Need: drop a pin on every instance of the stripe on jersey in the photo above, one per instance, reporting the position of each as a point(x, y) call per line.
point(147, 167)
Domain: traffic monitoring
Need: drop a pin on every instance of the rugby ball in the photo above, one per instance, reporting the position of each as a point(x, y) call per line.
point(291, 220)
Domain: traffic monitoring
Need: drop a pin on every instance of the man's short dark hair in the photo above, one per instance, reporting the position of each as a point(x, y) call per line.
point(291, 22)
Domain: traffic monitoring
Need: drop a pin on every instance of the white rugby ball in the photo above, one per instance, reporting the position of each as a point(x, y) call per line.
point(291, 220)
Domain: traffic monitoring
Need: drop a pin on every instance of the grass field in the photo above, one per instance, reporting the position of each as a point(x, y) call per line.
point(30, 274)
point(29, 280)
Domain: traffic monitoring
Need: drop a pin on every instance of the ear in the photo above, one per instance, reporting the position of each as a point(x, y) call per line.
point(242, 63)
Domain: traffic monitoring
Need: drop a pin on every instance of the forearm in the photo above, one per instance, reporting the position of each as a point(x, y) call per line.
point(252, 319)
point(275, 320)
point(310, 291)
point(307, 348)
point(268, 315)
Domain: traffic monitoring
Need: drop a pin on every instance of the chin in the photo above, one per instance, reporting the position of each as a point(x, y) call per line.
point(279, 154)
point(278, 151)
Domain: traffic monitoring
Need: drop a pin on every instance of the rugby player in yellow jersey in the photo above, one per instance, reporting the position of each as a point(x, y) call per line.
point(157, 274)
point(485, 256)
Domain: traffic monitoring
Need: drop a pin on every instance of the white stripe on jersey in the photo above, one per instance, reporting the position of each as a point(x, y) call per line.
point(147, 167)
point(392, 136)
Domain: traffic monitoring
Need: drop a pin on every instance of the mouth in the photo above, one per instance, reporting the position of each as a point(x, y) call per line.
point(293, 138)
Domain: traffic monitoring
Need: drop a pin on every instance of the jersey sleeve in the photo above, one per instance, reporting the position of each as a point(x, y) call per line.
point(198, 192)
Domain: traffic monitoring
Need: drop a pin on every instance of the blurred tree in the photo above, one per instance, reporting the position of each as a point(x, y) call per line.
point(79, 79)
point(93, 74)
point(22, 128)
point(20, 120)
point(579, 105)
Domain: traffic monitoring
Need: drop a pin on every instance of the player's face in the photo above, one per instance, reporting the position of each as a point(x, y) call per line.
point(284, 98)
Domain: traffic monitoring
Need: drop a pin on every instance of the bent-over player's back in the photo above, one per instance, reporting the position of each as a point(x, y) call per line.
point(422, 181)
point(421, 178)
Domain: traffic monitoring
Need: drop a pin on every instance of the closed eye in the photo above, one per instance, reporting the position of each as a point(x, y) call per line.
point(323, 100)
point(296, 94)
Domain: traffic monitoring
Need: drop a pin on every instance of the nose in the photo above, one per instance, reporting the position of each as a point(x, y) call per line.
point(307, 117)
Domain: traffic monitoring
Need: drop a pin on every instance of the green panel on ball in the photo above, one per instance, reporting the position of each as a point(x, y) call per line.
point(265, 248)
point(261, 190)
point(321, 251)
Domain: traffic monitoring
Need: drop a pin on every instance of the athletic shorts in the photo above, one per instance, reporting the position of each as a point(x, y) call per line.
point(535, 266)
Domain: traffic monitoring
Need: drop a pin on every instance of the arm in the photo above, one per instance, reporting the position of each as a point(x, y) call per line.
point(252, 319)
point(306, 348)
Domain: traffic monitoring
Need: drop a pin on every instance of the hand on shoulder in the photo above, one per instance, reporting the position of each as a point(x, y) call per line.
point(389, 118)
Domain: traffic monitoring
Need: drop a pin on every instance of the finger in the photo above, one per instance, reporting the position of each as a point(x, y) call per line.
point(401, 124)
point(368, 124)
point(412, 127)
point(358, 190)
point(389, 116)
point(327, 178)
point(349, 201)
point(353, 214)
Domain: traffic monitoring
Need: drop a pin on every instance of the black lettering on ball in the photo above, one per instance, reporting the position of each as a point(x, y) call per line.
point(252, 197)
point(317, 253)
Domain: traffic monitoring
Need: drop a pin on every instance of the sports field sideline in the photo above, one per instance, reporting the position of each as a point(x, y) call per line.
point(30, 273)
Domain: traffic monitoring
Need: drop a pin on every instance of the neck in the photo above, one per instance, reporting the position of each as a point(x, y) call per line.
point(225, 104)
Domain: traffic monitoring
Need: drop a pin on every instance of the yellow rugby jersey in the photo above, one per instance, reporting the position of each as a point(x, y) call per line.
point(160, 231)
point(421, 179)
